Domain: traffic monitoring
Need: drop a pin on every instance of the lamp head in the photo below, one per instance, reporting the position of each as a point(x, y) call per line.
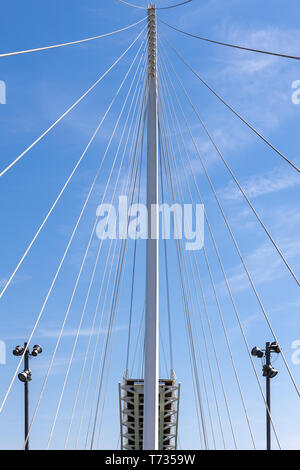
point(269, 372)
point(25, 376)
point(37, 349)
point(18, 351)
point(256, 352)
point(275, 347)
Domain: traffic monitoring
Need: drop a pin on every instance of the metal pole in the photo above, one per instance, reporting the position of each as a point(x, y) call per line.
point(268, 397)
point(26, 397)
point(151, 391)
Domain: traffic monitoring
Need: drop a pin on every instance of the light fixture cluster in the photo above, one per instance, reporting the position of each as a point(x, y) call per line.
point(268, 370)
point(25, 376)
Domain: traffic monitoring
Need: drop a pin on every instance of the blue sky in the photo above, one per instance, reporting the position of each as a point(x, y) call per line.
point(40, 87)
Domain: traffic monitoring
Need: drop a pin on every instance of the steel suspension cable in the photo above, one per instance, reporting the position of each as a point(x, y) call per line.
point(138, 340)
point(164, 356)
point(168, 305)
point(62, 259)
point(167, 279)
point(106, 387)
point(132, 5)
point(67, 182)
point(237, 247)
point(103, 357)
point(241, 257)
point(105, 345)
point(96, 345)
point(80, 41)
point(94, 318)
point(192, 350)
point(219, 309)
point(169, 315)
point(95, 350)
point(109, 261)
point(143, 348)
point(175, 6)
point(179, 132)
point(178, 186)
point(99, 331)
point(71, 107)
point(235, 178)
point(231, 108)
point(112, 318)
point(277, 54)
point(108, 335)
point(112, 333)
point(186, 310)
point(167, 156)
point(200, 356)
point(99, 250)
point(80, 273)
point(132, 284)
point(79, 384)
point(110, 360)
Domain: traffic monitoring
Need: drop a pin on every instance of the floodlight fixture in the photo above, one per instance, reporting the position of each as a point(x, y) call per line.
point(269, 372)
point(18, 351)
point(275, 347)
point(257, 352)
point(37, 349)
point(25, 376)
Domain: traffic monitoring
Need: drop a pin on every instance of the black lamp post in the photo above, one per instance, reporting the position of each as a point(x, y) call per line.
point(269, 373)
point(26, 377)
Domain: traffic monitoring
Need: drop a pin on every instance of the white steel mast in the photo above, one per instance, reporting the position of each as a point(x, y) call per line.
point(151, 383)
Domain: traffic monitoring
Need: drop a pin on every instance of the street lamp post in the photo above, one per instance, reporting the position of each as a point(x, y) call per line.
point(26, 397)
point(269, 373)
point(268, 396)
point(25, 376)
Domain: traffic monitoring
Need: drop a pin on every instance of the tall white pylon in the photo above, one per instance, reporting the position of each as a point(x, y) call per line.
point(151, 383)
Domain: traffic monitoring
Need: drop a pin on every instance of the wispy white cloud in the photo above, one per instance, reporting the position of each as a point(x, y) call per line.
point(262, 184)
point(72, 332)
point(257, 86)
point(17, 280)
point(264, 264)
point(261, 83)
point(48, 333)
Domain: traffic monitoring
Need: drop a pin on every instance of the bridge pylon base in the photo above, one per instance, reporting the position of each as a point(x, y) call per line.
point(131, 394)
